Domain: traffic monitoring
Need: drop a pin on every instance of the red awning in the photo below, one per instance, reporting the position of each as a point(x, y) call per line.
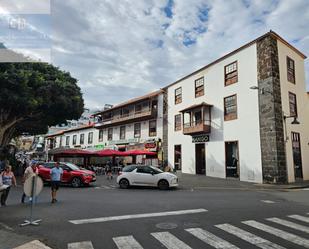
point(109, 152)
point(139, 152)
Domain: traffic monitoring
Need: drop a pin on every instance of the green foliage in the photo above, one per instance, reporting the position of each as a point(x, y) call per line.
point(39, 94)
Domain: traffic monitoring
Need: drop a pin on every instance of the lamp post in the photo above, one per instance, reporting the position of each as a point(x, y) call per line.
point(294, 122)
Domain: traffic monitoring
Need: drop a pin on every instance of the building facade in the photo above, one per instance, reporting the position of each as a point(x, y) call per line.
point(232, 118)
point(135, 124)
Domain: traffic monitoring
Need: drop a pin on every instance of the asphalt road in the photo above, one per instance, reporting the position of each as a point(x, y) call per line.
point(104, 199)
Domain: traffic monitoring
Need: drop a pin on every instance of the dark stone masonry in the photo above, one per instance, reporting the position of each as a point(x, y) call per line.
point(271, 115)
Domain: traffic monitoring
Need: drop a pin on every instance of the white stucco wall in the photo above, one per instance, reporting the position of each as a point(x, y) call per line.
point(302, 108)
point(245, 129)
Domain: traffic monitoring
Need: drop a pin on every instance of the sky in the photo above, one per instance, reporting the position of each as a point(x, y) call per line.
point(119, 49)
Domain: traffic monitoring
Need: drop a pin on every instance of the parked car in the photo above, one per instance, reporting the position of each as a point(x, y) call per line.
point(137, 175)
point(72, 174)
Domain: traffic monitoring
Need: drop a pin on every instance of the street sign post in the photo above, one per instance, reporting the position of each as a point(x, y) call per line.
point(32, 188)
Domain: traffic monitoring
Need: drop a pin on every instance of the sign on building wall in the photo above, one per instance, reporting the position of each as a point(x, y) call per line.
point(200, 138)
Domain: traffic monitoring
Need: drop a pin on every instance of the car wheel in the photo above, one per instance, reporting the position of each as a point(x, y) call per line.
point(163, 185)
point(76, 182)
point(124, 183)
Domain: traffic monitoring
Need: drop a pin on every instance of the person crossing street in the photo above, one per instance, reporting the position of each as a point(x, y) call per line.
point(55, 176)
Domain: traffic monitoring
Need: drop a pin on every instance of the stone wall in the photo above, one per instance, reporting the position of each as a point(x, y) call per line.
point(271, 115)
point(165, 129)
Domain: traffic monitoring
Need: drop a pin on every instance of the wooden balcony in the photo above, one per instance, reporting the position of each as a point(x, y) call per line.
point(197, 127)
point(131, 117)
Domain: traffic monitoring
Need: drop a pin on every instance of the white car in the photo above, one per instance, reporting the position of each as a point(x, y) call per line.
point(143, 175)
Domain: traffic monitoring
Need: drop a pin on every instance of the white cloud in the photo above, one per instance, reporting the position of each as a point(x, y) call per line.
point(121, 49)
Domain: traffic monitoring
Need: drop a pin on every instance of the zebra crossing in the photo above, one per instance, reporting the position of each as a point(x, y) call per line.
point(273, 226)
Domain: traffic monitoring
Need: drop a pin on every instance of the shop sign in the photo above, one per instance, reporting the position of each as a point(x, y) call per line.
point(124, 141)
point(200, 139)
point(99, 147)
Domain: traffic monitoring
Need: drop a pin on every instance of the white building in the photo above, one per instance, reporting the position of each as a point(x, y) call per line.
point(232, 118)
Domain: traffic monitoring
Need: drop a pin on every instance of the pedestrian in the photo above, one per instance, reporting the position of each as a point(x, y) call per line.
point(30, 171)
point(9, 179)
point(109, 170)
point(55, 177)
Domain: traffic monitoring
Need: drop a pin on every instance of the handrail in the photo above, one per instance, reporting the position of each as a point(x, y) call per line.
point(130, 115)
point(196, 123)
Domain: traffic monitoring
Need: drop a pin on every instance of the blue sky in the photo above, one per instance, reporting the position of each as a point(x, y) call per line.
point(119, 49)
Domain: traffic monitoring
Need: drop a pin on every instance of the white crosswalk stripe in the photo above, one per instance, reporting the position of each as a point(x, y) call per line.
point(127, 242)
point(80, 245)
point(299, 217)
point(279, 233)
point(170, 241)
point(290, 224)
point(249, 237)
point(210, 238)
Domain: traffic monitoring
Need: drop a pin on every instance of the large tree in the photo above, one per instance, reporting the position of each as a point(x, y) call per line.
point(34, 96)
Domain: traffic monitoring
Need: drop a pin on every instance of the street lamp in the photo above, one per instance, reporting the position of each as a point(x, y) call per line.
point(294, 122)
point(262, 90)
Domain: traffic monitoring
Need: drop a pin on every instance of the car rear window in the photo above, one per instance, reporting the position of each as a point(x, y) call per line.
point(129, 168)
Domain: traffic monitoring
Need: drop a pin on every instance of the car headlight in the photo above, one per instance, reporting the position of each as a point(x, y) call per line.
point(86, 175)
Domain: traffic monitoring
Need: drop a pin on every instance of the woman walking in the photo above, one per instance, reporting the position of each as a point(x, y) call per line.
point(9, 179)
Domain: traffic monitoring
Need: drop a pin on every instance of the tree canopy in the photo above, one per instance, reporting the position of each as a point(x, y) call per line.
point(33, 96)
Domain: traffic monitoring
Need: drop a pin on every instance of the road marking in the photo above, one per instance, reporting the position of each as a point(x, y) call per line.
point(80, 245)
point(33, 244)
point(137, 216)
point(170, 241)
point(249, 237)
point(210, 238)
point(279, 233)
point(299, 217)
point(127, 242)
point(268, 201)
point(6, 226)
point(290, 224)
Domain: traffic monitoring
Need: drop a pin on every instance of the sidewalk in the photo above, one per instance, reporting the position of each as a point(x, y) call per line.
point(201, 181)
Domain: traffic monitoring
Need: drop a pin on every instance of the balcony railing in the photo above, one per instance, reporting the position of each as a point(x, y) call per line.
point(149, 113)
point(197, 127)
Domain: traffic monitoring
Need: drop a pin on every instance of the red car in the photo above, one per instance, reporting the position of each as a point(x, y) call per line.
point(71, 174)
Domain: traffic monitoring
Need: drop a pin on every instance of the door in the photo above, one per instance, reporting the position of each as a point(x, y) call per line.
point(200, 162)
point(177, 157)
point(297, 155)
point(66, 176)
point(144, 176)
point(231, 159)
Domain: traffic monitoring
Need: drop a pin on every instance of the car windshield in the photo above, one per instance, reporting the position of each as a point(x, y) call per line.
point(72, 166)
point(129, 168)
point(157, 170)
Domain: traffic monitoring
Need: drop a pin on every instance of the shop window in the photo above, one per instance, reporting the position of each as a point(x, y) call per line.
point(152, 128)
point(293, 104)
point(178, 122)
point(110, 134)
point(199, 87)
point(137, 130)
point(231, 73)
point(230, 108)
point(290, 69)
point(178, 95)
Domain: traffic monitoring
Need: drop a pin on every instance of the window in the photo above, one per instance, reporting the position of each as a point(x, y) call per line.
point(290, 69)
point(231, 73)
point(101, 135)
point(122, 132)
point(82, 138)
point(110, 134)
point(90, 137)
point(152, 128)
point(178, 95)
point(230, 108)
point(60, 145)
point(67, 141)
point(293, 104)
point(199, 87)
point(137, 130)
point(178, 122)
point(74, 139)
